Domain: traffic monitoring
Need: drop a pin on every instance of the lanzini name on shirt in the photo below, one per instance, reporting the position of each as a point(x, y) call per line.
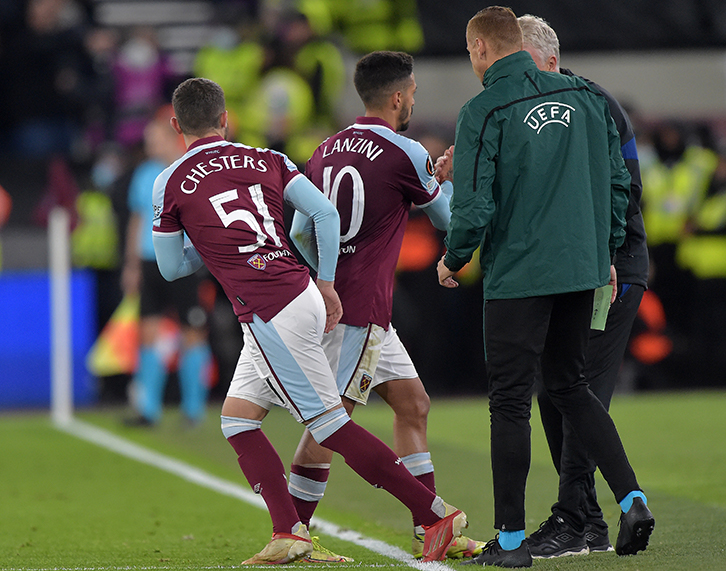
point(354, 145)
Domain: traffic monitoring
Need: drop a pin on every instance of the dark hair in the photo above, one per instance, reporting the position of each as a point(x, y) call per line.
point(379, 74)
point(499, 25)
point(198, 105)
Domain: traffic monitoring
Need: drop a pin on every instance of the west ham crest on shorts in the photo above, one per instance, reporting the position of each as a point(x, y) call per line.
point(257, 262)
point(365, 382)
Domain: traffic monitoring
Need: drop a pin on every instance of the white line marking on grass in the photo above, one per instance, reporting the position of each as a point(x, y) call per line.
point(195, 568)
point(115, 443)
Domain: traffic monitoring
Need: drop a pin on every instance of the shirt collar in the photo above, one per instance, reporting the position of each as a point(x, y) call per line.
point(508, 65)
point(373, 121)
point(205, 141)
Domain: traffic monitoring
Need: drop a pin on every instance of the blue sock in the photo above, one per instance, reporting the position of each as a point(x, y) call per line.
point(193, 368)
point(151, 379)
point(627, 503)
point(511, 540)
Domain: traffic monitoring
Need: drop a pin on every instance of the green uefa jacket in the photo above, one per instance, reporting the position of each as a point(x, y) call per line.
point(539, 183)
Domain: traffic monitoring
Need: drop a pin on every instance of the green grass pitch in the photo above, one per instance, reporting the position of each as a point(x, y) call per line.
point(70, 504)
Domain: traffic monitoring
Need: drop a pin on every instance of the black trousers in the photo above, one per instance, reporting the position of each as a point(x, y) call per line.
point(547, 334)
point(577, 499)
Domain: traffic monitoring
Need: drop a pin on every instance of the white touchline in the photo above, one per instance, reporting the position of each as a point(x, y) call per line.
point(115, 443)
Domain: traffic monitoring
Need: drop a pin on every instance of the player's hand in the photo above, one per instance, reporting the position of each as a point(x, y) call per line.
point(446, 275)
point(444, 168)
point(333, 307)
point(613, 282)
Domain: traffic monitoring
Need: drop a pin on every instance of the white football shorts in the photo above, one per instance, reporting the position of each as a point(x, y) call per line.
point(283, 363)
point(364, 357)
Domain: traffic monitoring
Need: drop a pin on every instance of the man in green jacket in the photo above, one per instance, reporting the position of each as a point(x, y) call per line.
point(540, 186)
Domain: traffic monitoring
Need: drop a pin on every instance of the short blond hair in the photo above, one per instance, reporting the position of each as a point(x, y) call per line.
point(499, 26)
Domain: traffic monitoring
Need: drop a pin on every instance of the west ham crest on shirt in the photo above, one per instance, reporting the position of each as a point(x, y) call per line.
point(257, 262)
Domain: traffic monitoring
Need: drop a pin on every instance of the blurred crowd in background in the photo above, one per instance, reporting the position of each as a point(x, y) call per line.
point(79, 93)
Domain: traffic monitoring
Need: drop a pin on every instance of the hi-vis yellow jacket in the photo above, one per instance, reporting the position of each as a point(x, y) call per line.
point(704, 251)
point(672, 195)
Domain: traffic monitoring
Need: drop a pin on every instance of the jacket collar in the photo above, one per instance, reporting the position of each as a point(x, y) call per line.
point(513, 63)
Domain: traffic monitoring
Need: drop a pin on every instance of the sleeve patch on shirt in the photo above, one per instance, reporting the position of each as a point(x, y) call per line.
point(429, 165)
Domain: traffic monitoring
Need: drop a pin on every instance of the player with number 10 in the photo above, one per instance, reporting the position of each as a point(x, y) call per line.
point(373, 175)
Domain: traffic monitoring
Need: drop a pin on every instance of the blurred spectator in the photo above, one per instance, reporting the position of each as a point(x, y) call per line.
point(46, 61)
point(95, 241)
point(674, 187)
point(370, 25)
point(143, 79)
point(703, 252)
point(235, 58)
point(281, 79)
point(159, 299)
point(303, 79)
point(299, 46)
point(102, 44)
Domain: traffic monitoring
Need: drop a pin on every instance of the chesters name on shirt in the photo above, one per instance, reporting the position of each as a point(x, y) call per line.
point(218, 163)
point(353, 145)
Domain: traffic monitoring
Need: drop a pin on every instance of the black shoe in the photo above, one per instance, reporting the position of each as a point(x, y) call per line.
point(494, 555)
point(635, 528)
point(555, 538)
point(596, 535)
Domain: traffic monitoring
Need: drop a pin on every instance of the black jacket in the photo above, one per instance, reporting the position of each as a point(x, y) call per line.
point(631, 260)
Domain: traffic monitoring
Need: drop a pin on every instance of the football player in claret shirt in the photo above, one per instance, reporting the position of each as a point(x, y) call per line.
point(229, 198)
point(373, 175)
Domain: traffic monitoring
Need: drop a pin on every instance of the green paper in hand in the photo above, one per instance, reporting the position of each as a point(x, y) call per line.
point(600, 307)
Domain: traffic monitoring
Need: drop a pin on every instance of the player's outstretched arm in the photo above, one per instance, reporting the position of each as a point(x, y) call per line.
point(175, 260)
point(305, 197)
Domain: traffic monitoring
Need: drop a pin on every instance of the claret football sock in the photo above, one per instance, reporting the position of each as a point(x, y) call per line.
point(378, 465)
point(265, 473)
